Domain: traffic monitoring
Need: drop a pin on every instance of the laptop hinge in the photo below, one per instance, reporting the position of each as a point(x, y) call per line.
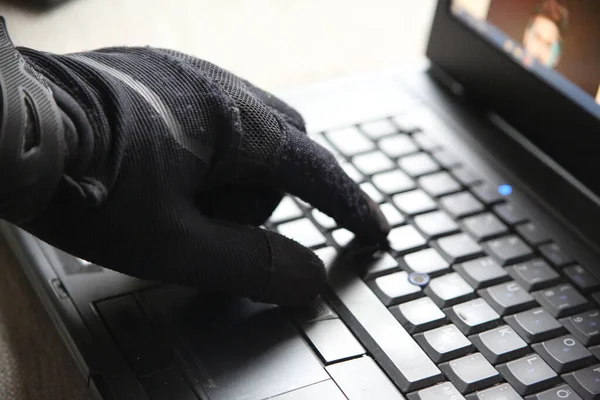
point(447, 81)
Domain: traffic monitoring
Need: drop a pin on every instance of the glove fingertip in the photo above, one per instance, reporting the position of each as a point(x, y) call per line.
point(381, 224)
point(298, 275)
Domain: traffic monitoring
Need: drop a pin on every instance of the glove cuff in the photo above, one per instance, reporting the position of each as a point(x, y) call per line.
point(32, 137)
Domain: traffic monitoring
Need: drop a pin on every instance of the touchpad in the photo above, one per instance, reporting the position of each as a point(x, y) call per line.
point(240, 349)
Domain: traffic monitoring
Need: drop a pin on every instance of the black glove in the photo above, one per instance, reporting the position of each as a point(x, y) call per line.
point(161, 166)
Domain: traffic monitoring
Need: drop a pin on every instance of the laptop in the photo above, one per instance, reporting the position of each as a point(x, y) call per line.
point(485, 161)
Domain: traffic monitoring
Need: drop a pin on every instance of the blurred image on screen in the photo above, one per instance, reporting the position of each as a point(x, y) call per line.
point(557, 39)
point(544, 35)
point(478, 9)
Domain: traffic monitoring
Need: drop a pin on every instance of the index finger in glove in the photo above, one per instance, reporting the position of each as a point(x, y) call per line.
point(290, 115)
point(307, 170)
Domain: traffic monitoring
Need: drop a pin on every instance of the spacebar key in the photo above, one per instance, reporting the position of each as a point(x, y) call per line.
point(388, 342)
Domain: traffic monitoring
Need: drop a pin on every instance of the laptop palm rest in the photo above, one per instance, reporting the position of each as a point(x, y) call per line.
point(230, 348)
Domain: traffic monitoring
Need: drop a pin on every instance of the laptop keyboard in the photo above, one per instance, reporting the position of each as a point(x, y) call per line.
point(504, 312)
point(472, 300)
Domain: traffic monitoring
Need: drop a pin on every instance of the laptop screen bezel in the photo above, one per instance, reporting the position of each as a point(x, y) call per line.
point(542, 113)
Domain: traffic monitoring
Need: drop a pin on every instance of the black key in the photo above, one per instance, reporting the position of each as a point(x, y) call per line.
point(323, 219)
point(419, 315)
point(586, 382)
point(466, 176)
point(581, 278)
point(303, 231)
point(398, 146)
point(445, 343)
point(446, 159)
point(439, 184)
point(484, 226)
point(326, 254)
point(372, 192)
point(555, 255)
point(436, 224)
point(352, 172)
point(149, 358)
point(386, 340)
point(487, 193)
point(461, 204)
point(372, 163)
point(472, 372)
point(449, 289)
point(349, 141)
point(326, 390)
point(500, 344)
point(534, 275)
point(426, 261)
point(167, 385)
point(596, 297)
point(342, 236)
point(392, 214)
point(564, 354)
point(418, 164)
point(562, 392)
point(585, 327)
point(529, 374)
point(425, 141)
point(408, 122)
point(379, 128)
point(482, 272)
point(361, 379)
point(561, 300)
point(508, 298)
point(415, 202)
point(535, 325)
point(595, 351)
point(394, 288)
point(510, 213)
point(406, 238)
point(126, 321)
point(499, 392)
point(378, 265)
point(135, 335)
point(533, 234)
point(508, 249)
point(393, 182)
point(460, 247)
point(442, 391)
point(317, 310)
point(285, 211)
point(332, 340)
point(473, 316)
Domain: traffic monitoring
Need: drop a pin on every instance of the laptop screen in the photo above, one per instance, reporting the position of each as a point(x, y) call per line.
point(558, 40)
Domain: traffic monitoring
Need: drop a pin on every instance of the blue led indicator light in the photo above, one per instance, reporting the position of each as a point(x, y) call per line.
point(505, 190)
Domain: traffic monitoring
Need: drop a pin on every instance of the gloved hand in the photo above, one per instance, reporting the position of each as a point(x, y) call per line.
point(161, 166)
